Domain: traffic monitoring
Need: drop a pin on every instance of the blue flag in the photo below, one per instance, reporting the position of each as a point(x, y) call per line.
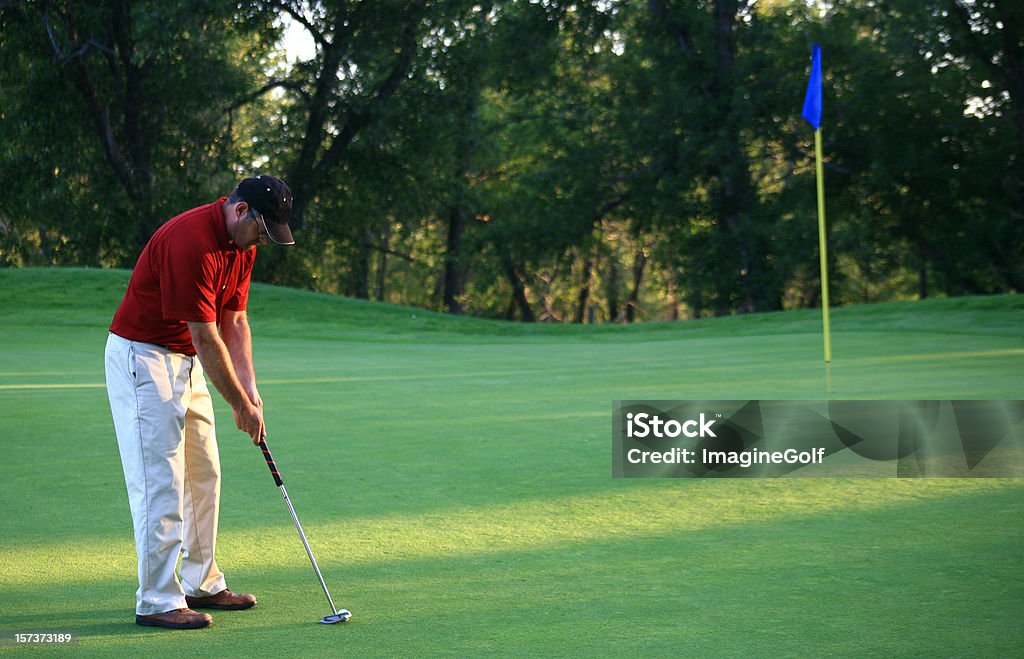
point(812, 102)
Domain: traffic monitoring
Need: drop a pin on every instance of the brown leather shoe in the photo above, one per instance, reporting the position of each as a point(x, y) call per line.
point(225, 600)
point(176, 619)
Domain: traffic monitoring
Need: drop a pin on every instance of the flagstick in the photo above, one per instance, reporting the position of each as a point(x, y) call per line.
point(822, 247)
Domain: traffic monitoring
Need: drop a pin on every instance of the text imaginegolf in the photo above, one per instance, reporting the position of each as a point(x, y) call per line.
point(738, 458)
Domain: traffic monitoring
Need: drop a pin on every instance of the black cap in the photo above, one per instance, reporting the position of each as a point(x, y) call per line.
point(272, 199)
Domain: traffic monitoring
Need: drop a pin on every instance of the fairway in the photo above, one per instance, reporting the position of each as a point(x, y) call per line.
point(454, 478)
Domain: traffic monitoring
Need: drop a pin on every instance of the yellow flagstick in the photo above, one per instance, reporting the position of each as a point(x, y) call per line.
point(822, 247)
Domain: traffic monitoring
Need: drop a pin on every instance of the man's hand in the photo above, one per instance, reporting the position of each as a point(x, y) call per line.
point(249, 419)
point(257, 402)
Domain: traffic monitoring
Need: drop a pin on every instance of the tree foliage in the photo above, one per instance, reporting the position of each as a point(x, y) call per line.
point(532, 159)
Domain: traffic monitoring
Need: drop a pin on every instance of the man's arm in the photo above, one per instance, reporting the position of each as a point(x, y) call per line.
point(234, 329)
point(218, 363)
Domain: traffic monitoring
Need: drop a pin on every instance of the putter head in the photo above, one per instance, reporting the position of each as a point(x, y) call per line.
point(341, 616)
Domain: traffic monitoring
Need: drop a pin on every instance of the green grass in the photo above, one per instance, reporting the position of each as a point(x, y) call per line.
point(454, 478)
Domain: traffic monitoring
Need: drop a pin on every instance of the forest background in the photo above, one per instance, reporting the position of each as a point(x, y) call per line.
point(584, 161)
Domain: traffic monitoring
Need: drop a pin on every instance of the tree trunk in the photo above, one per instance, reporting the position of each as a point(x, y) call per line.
point(612, 290)
point(922, 278)
point(638, 276)
point(454, 271)
point(360, 287)
point(584, 297)
point(519, 292)
point(382, 262)
point(735, 198)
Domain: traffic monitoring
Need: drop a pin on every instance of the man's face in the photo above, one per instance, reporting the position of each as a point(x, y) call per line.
point(250, 228)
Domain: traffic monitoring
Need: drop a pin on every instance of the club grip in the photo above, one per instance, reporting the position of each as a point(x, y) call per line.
point(270, 461)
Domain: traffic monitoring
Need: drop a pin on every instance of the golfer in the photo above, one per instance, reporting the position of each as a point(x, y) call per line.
point(183, 317)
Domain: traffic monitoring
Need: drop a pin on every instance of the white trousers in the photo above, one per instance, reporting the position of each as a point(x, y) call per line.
point(163, 417)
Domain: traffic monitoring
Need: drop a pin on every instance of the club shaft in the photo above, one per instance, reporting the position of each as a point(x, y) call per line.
point(295, 518)
point(305, 543)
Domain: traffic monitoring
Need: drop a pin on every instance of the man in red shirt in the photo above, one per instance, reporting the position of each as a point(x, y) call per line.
point(183, 316)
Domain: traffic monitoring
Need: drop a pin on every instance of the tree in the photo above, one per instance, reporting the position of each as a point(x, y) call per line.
point(117, 80)
point(923, 165)
point(532, 158)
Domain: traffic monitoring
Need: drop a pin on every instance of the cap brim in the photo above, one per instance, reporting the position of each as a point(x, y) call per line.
point(280, 234)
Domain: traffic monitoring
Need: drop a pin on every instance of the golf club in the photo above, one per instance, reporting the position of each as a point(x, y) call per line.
point(339, 615)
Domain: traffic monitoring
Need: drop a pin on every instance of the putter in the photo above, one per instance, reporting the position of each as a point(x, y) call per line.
point(339, 615)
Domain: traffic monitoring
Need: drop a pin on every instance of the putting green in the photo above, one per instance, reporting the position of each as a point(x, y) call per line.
point(453, 476)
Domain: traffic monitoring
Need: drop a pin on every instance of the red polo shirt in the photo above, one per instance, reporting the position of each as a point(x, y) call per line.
point(189, 271)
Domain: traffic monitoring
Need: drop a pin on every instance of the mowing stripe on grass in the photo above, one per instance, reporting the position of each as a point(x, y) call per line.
point(81, 385)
